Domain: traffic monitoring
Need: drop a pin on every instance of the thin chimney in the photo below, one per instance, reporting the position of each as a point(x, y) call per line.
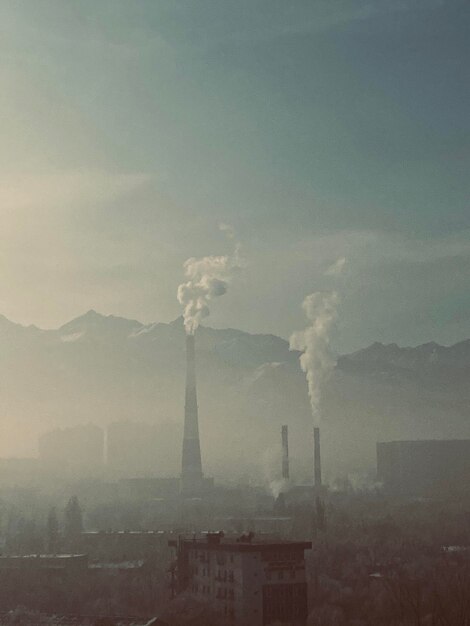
point(316, 457)
point(191, 471)
point(285, 453)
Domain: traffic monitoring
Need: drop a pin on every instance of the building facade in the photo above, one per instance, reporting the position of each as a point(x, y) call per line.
point(247, 583)
point(424, 467)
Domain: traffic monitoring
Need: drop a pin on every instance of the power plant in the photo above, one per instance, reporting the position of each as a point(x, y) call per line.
point(193, 482)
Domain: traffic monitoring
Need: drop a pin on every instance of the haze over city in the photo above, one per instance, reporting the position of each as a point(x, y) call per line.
point(234, 313)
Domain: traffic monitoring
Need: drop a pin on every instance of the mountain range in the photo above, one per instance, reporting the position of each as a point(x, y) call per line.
point(103, 369)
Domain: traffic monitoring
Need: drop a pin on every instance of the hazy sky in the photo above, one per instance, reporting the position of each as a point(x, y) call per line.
point(318, 128)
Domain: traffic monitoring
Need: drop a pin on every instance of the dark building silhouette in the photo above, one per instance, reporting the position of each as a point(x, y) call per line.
point(126, 545)
point(424, 467)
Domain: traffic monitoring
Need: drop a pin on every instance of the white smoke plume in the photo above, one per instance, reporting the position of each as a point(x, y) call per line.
point(207, 278)
point(336, 268)
point(316, 360)
point(271, 463)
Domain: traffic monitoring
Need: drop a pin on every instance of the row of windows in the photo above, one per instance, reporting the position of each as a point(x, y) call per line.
point(280, 574)
point(204, 557)
point(221, 593)
point(283, 555)
point(222, 576)
point(225, 576)
point(284, 593)
point(225, 594)
point(284, 602)
point(223, 558)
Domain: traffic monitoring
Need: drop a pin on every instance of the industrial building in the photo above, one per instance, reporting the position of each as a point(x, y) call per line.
point(424, 467)
point(246, 582)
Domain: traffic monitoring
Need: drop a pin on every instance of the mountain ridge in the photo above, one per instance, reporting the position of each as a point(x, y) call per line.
point(93, 318)
point(103, 369)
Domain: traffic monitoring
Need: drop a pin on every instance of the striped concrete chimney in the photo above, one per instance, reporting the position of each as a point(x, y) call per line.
point(191, 470)
point(316, 457)
point(285, 453)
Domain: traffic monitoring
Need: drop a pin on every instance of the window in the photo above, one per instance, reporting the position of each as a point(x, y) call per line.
point(284, 602)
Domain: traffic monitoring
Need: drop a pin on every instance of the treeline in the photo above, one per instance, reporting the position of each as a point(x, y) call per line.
point(378, 563)
point(40, 532)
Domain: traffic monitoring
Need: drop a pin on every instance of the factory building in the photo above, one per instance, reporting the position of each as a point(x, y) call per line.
point(425, 467)
point(246, 582)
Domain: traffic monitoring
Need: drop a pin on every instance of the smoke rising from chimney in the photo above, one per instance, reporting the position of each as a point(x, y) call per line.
point(271, 460)
point(336, 268)
point(207, 278)
point(316, 360)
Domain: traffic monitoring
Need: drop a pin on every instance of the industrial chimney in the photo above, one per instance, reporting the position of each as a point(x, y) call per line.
point(285, 453)
point(316, 457)
point(191, 471)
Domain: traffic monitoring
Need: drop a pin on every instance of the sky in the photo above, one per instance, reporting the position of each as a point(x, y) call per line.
point(318, 129)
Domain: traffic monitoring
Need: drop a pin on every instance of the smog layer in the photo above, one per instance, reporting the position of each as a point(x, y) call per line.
point(101, 370)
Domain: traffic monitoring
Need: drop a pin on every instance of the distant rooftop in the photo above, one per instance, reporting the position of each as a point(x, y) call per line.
point(244, 543)
point(44, 556)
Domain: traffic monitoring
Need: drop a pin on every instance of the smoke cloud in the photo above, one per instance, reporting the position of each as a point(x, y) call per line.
point(207, 278)
point(337, 268)
point(316, 360)
point(271, 462)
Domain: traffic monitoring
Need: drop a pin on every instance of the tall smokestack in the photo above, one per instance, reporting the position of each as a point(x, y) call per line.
point(191, 471)
point(285, 453)
point(316, 457)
